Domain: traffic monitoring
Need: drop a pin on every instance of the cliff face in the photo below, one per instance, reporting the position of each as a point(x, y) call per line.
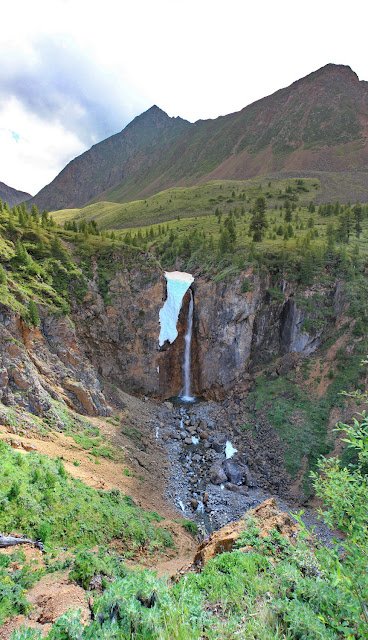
point(236, 332)
point(233, 333)
point(43, 369)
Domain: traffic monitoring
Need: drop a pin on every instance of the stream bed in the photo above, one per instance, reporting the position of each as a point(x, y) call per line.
point(210, 481)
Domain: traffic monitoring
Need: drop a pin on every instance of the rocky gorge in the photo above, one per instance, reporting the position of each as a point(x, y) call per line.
point(241, 327)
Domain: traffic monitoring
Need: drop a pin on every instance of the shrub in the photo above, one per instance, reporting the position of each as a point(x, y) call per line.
point(2, 275)
point(33, 315)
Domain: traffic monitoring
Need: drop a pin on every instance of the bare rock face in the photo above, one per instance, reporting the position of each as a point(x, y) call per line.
point(121, 338)
point(233, 332)
point(38, 366)
point(237, 331)
point(224, 320)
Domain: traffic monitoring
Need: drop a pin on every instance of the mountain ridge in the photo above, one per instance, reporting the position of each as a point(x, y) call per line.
point(319, 122)
point(12, 196)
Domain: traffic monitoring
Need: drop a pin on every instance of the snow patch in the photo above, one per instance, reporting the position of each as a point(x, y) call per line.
point(178, 283)
point(229, 450)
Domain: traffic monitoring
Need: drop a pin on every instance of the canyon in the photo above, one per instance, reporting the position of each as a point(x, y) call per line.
point(113, 342)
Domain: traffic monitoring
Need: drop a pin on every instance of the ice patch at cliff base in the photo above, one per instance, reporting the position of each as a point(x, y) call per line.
point(178, 283)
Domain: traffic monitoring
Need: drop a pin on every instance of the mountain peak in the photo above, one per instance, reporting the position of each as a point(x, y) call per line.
point(154, 113)
point(156, 109)
point(332, 71)
point(309, 125)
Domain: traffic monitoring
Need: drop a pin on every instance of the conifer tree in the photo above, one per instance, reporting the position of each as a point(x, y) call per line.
point(258, 223)
point(33, 315)
point(358, 218)
point(2, 275)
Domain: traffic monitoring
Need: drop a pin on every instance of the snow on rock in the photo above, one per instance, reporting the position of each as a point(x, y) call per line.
point(178, 283)
point(229, 450)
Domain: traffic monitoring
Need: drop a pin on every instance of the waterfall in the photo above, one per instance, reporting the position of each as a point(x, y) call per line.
point(178, 283)
point(186, 392)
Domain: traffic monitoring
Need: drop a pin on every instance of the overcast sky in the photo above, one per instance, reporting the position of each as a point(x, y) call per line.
point(73, 72)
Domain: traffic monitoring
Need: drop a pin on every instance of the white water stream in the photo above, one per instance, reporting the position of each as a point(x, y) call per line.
point(186, 393)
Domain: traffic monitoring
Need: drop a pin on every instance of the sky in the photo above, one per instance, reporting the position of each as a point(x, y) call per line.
point(74, 72)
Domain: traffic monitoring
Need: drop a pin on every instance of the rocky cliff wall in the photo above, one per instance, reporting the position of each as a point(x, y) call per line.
point(233, 332)
point(115, 338)
point(43, 367)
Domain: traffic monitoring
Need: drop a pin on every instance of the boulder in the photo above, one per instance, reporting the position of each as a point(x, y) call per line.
point(236, 472)
point(218, 446)
point(235, 488)
point(217, 474)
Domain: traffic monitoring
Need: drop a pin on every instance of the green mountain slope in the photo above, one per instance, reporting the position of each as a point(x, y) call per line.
point(318, 123)
point(185, 202)
point(124, 156)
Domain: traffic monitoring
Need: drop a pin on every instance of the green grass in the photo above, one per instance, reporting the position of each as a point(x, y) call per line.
point(299, 418)
point(275, 591)
point(183, 202)
point(14, 584)
point(40, 500)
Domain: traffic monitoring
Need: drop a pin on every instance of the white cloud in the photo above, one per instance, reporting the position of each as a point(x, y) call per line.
point(85, 69)
point(35, 148)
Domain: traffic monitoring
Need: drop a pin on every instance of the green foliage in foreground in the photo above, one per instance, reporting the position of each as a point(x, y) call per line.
point(13, 584)
point(274, 591)
point(40, 500)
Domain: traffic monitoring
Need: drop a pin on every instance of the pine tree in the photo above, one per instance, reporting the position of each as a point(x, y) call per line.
point(358, 218)
point(57, 250)
point(22, 254)
point(2, 275)
point(288, 217)
point(258, 223)
point(230, 226)
point(345, 226)
point(45, 220)
point(35, 214)
point(225, 244)
point(33, 315)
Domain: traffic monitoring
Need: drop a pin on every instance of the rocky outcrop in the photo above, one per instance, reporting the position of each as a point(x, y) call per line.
point(121, 337)
point(39, 366)
point(267, 517)
point(236, 332)
point(294, 339)
point(115, 337)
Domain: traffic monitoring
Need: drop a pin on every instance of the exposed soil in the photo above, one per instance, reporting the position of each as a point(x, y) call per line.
point(50, 597)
